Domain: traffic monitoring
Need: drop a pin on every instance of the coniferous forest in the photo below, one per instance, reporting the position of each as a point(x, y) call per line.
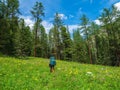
point(89, 43)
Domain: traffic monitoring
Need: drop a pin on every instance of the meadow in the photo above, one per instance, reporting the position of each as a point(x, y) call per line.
point(34, 74)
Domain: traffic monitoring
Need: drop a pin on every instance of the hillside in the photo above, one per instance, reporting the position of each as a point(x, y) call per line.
point(34, 74)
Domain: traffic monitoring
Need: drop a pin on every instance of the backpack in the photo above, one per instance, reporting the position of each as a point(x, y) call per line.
point(52, 61)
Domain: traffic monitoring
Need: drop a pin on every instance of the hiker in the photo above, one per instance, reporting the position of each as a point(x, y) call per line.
point(52, 63)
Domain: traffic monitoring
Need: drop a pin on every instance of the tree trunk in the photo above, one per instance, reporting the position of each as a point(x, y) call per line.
point(89, 52)
point(35, 39)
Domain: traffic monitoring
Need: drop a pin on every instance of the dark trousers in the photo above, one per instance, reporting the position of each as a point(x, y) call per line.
point(51, 68)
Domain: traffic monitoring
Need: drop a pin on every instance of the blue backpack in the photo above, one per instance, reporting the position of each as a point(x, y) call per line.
point(52, 60)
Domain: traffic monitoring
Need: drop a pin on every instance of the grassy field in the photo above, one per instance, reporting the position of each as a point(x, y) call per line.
point(34, 74)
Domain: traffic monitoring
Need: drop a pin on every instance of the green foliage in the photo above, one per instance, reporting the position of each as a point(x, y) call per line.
point(109, 19)
point(42, 45)
point(8, 25)
point(55, 36)
point(85, 31)
point(95, 44)
point(79, 48)
point(37, 13)
point(34, 73)
point(66, 44)
point(23, 42)
point(57, 20)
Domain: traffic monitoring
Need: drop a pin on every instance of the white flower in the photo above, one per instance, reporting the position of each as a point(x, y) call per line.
point(89, 73)
point(102, 68)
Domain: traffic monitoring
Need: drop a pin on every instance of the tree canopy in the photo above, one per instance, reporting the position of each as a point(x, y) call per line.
point(91, 43)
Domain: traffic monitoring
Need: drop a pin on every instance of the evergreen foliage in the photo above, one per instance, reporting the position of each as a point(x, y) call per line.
point(91, 43)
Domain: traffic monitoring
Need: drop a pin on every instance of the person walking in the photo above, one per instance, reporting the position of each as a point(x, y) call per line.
point(52, 63)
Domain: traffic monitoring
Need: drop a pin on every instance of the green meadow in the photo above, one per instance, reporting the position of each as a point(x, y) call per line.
point(34, 74)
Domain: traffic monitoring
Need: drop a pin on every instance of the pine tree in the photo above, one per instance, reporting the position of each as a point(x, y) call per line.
point(37, 12)
point(56, 34)
point(42, 48)
point(85, 29)
point(66, 44)
point(9, 25)
point(79, 48)
point(108, 18)
point(23, 40)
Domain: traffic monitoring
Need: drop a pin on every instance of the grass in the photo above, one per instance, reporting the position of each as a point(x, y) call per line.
point(34, 74)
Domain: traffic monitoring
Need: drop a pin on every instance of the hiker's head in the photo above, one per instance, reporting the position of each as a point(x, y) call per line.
point(52, 55)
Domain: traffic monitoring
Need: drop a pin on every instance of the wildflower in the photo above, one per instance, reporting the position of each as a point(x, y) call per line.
point(102, 68)
point(59, 68)
point(76, 71)
point(89, 73)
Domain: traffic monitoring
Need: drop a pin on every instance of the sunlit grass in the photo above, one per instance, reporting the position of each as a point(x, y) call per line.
point(34, 74)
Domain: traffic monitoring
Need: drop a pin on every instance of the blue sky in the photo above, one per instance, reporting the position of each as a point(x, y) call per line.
point(70, 10)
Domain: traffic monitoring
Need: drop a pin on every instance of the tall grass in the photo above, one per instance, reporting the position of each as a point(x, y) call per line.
point(34, 74)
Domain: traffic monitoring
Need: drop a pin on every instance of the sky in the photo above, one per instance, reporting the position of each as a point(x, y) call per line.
point(69, 10)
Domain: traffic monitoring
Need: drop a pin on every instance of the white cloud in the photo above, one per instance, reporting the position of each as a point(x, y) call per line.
point(63, 17)
point(47, 25)
point(97, 22)
point(80, 10)
point(117, 5)
point(28, 21)
point(72, 27)
point(71, 16)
